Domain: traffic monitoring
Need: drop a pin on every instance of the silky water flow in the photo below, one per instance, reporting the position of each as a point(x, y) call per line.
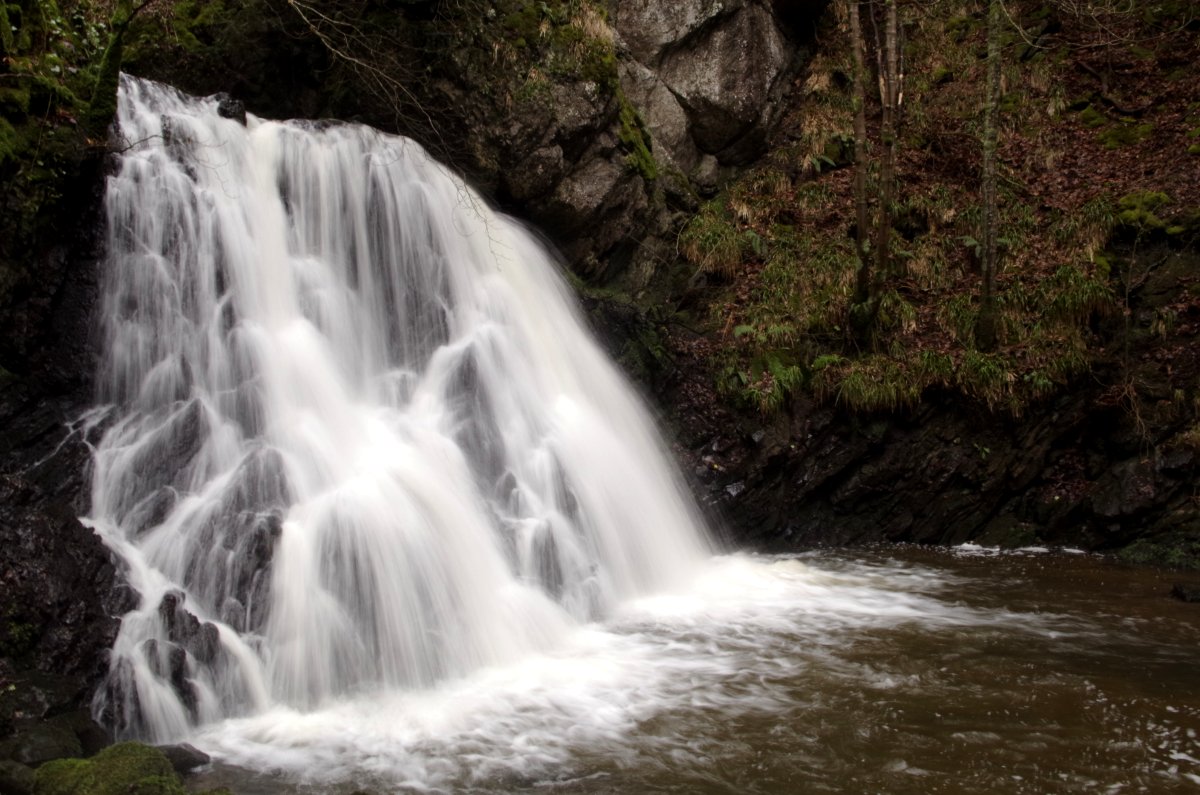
point(360, 438)
point(395, 522)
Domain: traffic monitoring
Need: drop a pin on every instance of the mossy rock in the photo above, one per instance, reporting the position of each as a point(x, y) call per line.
point(635, 140)
point(1140, 210)
point(1124, 135)
point(1091, 118)
point(1177, 551)
point(117, 770)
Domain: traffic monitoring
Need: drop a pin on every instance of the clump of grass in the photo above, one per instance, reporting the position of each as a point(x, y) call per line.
point(761, 196)
point(1088, 229)
point(869, 384)
point(712, 241)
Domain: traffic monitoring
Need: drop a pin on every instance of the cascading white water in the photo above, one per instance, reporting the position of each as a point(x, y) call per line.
point(360, 439)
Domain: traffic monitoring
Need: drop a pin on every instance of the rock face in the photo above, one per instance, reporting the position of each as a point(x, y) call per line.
point(701, 79)
point(62, 593)
point(706, 74)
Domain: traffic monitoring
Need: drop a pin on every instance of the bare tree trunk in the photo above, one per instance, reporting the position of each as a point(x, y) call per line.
point(862, 218)
point(891, 80)
point(873, 274)
point(985, 325)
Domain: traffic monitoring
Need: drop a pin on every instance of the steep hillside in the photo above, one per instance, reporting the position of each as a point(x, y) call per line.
point(1079, 425)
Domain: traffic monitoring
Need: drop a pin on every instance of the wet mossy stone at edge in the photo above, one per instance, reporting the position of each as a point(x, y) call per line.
point(117, 770)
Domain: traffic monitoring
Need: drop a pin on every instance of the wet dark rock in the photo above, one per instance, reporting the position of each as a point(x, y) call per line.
point(230, 108)
point(64, 593)
point(184, 758)
point(1186, 593)
point(201, 639)
point(50, 560)
point(15, 778)
point(37, 742)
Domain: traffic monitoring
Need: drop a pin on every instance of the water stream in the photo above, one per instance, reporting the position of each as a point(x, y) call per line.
point(398, 524)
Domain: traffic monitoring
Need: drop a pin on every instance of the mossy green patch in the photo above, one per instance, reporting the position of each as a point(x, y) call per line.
point(635, 140)
point(1120, 135)
point(1174, 551)
point(1140, 210)
point(1092, 118)
point(117, 770)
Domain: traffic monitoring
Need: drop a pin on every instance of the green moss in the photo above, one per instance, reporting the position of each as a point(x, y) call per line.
point(564, 38)
point(1121, 135)
point(14, 101)
point(6, 31)
point(959, 27)
point(1177, 551)
point(1194, 149)
point(122, 769)
point(635, 140)
point(1092, 118)
point(65, 777)
point(1139, 210)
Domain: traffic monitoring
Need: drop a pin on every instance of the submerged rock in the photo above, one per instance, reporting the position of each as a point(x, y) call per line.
point(1186, 593)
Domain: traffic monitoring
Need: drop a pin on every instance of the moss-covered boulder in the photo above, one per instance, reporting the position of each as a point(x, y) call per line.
point(117, 770)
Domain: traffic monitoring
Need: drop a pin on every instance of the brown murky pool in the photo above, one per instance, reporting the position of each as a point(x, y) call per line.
point(891, 670)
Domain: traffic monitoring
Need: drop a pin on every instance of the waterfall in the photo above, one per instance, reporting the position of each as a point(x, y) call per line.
point(359, 439)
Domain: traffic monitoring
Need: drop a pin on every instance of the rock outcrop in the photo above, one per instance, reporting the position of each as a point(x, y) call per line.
point(706, 75)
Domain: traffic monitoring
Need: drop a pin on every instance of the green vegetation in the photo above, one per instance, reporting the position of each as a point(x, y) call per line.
point(1139, 210)
point(1124, 134)
point(712, 241)
point(635, 139)
point(123, 769)
point(780, 241)
point(1091, 118)
point(51, 117)
point(1179, 550)
point(117, 770)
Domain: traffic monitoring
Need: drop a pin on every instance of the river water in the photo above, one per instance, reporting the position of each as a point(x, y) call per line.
point(895, 670)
